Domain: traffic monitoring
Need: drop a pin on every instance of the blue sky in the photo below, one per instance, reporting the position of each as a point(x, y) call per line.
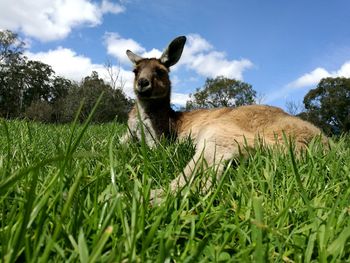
point(283, 48)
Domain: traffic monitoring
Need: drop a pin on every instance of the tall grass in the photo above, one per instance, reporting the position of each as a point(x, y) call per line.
point(73, 193)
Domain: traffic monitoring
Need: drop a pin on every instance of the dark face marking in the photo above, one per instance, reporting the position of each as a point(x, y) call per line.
point(151, 79)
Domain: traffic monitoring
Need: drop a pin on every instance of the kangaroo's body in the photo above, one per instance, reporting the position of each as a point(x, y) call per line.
point(218, 134)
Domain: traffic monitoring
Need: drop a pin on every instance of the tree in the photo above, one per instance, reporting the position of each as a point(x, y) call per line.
point(11, 66)
point(114, 104)
point(328, 105)
point(37, 82)
point(113, 73)
point(41, 111)
point(294, 108)
point(11, 48)
point(222, 92)
point(25, 82)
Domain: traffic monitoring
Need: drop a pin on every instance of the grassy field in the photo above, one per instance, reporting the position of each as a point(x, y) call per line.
point(73, 193)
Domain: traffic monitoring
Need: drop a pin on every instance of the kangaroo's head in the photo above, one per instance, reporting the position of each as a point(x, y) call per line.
point(152, 75)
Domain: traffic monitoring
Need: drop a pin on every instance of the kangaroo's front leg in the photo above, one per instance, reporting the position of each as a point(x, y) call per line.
point(209, 157)
point(211, 152)
point(184, 178)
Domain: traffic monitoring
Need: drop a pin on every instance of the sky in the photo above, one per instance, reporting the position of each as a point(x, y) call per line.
point(283, 48)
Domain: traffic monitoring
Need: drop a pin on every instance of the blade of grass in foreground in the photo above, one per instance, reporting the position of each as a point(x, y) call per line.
point(83, 248)
point(96, 252)
point(74, 187)
point(257, 230)
point(19, 235)
point(59, 221)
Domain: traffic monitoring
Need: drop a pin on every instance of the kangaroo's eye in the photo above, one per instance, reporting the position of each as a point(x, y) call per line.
point(160, 72)
point(135, 71)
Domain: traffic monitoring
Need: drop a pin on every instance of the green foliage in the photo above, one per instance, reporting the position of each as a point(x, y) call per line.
point(72, 193)
point(25, 82)
point(328, 105)
point(114, 104)
point(222, 92)
point(30, 89)
point(11, 64)
point(39, 111)
point(11, 48)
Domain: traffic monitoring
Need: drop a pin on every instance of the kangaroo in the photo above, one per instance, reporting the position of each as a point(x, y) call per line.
point(218, 134)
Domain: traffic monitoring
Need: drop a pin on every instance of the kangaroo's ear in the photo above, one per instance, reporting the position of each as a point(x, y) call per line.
point(172, 53)
point(133, 57)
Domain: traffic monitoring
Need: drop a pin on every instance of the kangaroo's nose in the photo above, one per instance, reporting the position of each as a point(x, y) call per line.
point(143, 83)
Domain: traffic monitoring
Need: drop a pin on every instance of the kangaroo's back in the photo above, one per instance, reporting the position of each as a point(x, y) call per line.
point(268, 122)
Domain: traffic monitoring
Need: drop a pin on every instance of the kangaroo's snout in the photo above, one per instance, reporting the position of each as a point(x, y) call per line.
point(143, 83)
point(144, 87)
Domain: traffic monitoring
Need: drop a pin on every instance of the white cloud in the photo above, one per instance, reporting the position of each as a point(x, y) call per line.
point(310, 79)
point(65, 62)
point(109, 7)
point(179, 98)
point(344, 70)
point(117, 46)
point(314, 77)
point(153, 53)
point(199, 55)
point(53, 19)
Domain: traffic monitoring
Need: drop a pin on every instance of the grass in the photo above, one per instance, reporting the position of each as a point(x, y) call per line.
point(72, 193)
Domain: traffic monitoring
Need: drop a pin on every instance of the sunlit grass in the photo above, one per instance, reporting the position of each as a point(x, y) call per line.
point(73, 193)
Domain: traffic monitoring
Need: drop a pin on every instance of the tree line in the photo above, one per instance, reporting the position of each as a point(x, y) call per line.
point(31, 89)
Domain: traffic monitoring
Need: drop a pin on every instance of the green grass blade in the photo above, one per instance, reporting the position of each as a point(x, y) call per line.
point(83, 248)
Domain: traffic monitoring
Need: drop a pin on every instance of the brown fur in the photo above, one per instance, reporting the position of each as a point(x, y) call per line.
point(249, 121)
point(218, 134)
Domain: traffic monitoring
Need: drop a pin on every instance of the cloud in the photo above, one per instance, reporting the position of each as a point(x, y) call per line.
point(199, 55)
point(313, 78)
point(179, 98)
point(49, 20)
point(153, 53)
point(344, 70)
point(109, 7)
point(67, 63)
point(117, 46)
point(310, 79)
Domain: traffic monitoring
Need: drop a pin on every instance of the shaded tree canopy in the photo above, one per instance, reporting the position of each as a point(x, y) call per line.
point(222, 92)
point(114, 104)
point(328, 105)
